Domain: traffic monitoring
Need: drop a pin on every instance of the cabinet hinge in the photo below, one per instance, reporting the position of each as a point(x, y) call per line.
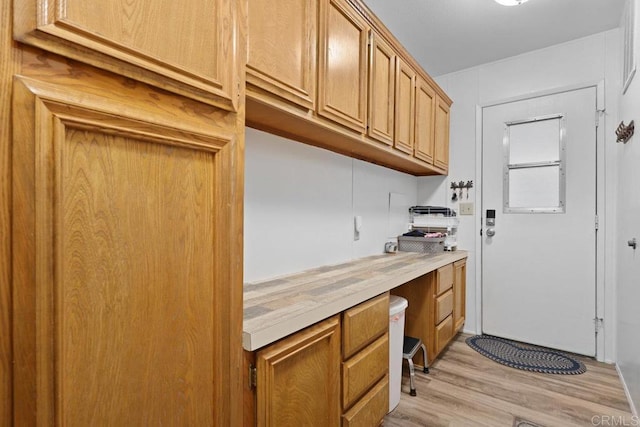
point(598, 323)
point(597, 222)
point(597, 118)
point(253, 376)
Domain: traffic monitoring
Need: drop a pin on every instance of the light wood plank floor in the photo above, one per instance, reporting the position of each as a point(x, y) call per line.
point(464, 388)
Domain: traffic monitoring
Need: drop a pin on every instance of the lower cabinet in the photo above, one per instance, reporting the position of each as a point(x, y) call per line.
point(330, 374)
point(298, 378)
point(365, 373)
point(436, 307)
point(371, 409)
point(443, 302)
point(459, 292)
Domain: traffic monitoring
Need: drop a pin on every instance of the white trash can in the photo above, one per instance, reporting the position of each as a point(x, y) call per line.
point(397, 307)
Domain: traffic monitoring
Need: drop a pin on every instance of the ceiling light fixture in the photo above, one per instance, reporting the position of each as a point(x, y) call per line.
point(511, 2)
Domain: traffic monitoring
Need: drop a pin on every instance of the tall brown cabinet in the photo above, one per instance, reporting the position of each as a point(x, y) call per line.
point(121, 187)
point(123, 135)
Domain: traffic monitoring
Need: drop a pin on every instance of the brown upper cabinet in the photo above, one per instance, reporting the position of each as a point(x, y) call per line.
point(282, 49)
point(441, 135)
point(185, 50)
point(405, 107)
point(424, 128)
point(382, 69)
point(362, 95)
point(342, 76)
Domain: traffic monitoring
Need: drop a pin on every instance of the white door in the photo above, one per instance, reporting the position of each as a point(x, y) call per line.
point(539, 176)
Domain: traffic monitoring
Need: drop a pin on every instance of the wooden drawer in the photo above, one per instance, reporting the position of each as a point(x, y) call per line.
point(444, 305)
point(444, 332)
point(364, 323)
point(371, 409)
point(444, 278)
point(364, 369)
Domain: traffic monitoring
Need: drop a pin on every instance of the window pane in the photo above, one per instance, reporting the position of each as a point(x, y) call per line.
point(534, 141)
point(534, 187)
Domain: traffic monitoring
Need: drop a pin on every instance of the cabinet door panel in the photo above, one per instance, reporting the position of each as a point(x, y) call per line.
point(371, 408)
point(459, 293)
point(299, 378)
point(444, 332)
point(424, 135)
point(444, 278)
point(188, 50)
point(119, 225)
point(364, 369)
point(364, 323)
point(342, 76)
point(405, 92)
point(441, 152)
point(444, 306)
point(282, 48)
point(381, 90)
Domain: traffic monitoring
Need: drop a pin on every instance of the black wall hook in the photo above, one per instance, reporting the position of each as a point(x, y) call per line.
point(624, 133)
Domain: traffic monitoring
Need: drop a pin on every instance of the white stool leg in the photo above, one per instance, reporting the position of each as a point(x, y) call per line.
point(426, 365)
point(412, 374)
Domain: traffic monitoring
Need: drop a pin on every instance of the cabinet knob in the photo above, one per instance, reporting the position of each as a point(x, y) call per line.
point(633, 243)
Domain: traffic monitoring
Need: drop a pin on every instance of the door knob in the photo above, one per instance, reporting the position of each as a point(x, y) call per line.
point(491, 232)
point(633, 243)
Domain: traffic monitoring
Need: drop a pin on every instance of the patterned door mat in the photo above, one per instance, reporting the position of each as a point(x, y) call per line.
point(519, 422)
point(524, 356)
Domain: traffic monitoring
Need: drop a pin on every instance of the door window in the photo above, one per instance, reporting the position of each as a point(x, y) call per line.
point(534, 158)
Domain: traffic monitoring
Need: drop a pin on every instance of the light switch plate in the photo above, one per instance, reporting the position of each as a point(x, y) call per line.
point(466, 208)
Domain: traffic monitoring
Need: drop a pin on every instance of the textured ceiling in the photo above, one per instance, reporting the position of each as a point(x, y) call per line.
point(450, 35)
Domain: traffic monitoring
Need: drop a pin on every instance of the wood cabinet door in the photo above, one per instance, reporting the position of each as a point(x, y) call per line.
point(441, 135)
point(459, 293)
point(444, 278)
point(282, 48)
point(364, 323)
point(127, 289)
point(371, 409)
point(363, 370)
point(382, 70)
point(298, 379)
point(405, 107)
point(184, 48)
point(443, 333)
point(425, 111)
point(342, 64)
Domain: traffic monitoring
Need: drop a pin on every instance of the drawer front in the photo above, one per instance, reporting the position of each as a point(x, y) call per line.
point(364, 323)
point(444, 305)
point(444, 332)
point(371, 409)
point(364, 369)
point(444, 278)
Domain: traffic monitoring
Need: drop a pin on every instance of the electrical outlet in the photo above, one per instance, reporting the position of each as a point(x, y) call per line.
point(466, 208)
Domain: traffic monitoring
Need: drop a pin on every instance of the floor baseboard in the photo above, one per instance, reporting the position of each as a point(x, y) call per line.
point(634, 410)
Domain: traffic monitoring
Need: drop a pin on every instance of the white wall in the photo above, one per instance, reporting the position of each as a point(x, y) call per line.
point(584, 61)
point(300, 202)
point(628, 208)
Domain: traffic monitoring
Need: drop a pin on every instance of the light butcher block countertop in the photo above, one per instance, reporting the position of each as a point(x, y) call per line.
point(279, 307)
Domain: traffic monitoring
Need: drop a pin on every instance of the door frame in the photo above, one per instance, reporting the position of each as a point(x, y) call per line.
point(606, 327)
